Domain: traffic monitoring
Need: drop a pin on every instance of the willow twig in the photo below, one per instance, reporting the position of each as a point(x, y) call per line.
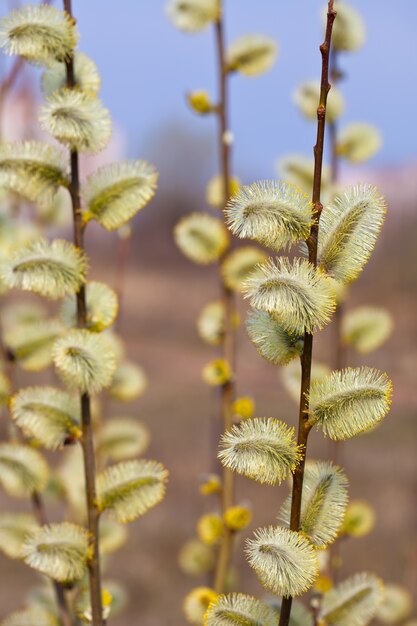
point(87, 429)
point(306, 358)
point(228, 389)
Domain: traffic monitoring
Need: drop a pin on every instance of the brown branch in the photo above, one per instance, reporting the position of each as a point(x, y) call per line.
point(306, 358)
point(315, 604)
point(228, 390)
point(87, 429)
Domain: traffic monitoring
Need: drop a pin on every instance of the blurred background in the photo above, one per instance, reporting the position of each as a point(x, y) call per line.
point(147, 67)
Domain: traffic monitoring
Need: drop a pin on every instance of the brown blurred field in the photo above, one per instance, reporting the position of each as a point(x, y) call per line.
point(163, 295)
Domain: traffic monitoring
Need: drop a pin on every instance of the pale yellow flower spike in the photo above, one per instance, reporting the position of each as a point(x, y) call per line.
point(23, 470)
point(211, 323)
point(112, 536)
point(14, 528)
point(31, 343)
point(349, 229)
point(129, 489)
point(129, 382)
point(60, 551)
point(291, 377)
point(84, 361)
point(298, 169)
point(41, 34)
point(359, 520)
point(358, 142)
point(211, 484)
point(76, 120)
point(102, 307)
point(115, 193)
point(353, 602)
point(200, 102)
point(32, 169)
point(193, 15)
point(86, 76)
point(237, 517)
point(349, 32)
point(239, 264)
point(252, 55)
point(214, 191)
point(195, 558)
point(284, 561)
point(217, 372)
point(350, 402)
point(272, 341)
point(51, 269)
point(237, 608)
point(295, 293)
point(274, 213)
point(196, 604)
point(307, 97)
point(122, 438)
point(34, 615)
point(323, 505)
point(49, 415)
point(244, 407)
point(263, 449)
point(201, 238)
point(396, 605)
point(210, 528)
point(366, 328)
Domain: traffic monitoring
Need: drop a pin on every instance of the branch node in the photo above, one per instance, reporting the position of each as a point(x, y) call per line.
point(321, 112)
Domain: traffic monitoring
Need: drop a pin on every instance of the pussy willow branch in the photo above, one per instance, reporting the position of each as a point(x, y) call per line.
point(228, 389)
point(304, 426)
point(36, 498)
point(87, 429)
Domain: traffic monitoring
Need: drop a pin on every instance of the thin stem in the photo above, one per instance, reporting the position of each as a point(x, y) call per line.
point(64, 612)
point(87, 429)
point(306, 358)
point(228, 390)
point(315, 603)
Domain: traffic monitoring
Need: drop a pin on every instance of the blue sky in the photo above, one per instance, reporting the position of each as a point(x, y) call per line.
point(147, 66)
